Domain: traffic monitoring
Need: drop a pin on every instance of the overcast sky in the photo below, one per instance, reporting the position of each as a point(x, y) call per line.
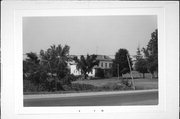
point(88, 34)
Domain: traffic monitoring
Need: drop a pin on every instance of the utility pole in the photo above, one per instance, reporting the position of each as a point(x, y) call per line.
point(130, 72)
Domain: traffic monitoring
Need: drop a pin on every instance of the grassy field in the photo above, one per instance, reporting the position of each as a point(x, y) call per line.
point(140, 84)
point(98, 82)
point(146, 83)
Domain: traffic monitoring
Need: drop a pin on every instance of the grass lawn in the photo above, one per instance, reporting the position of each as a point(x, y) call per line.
point(98, 82)
point(146, 83)
point(139, 83)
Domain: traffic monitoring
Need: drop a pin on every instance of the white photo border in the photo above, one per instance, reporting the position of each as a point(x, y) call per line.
point(12, 62)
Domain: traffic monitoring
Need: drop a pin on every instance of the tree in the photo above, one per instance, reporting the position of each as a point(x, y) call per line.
point(55, 60)
point(141, 63)
point(33, 71)
point(86, 64)
point(30, 64)
point(151, 53)
point(50, 70)
point(141, 66)
point(120, 64)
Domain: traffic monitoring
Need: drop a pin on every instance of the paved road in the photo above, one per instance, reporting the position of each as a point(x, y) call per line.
point(145, 98)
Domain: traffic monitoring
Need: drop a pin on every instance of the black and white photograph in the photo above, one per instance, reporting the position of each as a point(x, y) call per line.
point(90, 61)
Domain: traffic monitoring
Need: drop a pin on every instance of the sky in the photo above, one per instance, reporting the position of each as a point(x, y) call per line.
point(103, 35)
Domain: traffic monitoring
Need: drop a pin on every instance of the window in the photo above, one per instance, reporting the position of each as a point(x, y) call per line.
point(101, 64)
point(106, 65)
point(110, 65)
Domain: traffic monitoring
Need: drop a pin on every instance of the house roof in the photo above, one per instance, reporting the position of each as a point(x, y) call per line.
point(103, 58)
point(99, 57)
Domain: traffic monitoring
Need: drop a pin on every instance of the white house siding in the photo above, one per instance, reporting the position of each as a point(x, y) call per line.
point(105, 64)
point(92, 74)
point(73, 70)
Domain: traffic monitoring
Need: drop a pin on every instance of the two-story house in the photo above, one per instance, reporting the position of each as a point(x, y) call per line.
point(105, 62)
point(103, 70)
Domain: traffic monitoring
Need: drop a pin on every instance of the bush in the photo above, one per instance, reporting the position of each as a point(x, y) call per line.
point(127, 82)
point(79, 77)
point(113, 86)
point(68, 79)
point(66, 87)
point(28, 86)
point(81, 87)
point(107, 87)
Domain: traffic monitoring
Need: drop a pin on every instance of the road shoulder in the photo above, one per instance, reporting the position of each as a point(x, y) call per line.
point(86, 94)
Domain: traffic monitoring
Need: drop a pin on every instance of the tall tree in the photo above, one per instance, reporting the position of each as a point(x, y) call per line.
point(120, 63)
point(86, 64)
point(55, 58)
point(31, 63)
point(151, 53)
point(33, 71)
point(141, 63)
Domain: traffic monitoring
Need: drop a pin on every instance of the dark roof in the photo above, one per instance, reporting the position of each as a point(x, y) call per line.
point(103, 58)
point(99, 57)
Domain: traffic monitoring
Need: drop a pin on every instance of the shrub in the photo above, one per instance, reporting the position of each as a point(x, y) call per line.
point(66, 87)
point(68, 79)
point(28, 86)
point(81, 87)
point(113, 86)
point(126, 82)
point(79, 77)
